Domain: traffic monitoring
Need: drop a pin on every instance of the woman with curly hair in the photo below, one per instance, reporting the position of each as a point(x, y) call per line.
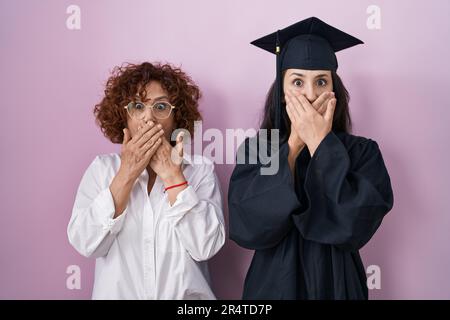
point(151, 216)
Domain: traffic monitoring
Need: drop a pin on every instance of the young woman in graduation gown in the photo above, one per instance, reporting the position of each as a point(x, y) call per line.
point(331, 191)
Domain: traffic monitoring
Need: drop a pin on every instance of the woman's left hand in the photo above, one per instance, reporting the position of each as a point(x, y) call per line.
point(166, 162)
point(310, 125)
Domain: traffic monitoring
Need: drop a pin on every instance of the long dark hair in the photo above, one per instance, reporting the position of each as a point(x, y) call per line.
point(341, 119)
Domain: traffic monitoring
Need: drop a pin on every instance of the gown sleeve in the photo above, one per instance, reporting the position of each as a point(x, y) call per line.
point(346, 194)
point(260, 206)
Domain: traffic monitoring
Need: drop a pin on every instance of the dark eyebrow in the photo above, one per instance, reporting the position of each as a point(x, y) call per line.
point(156, 99)
point(297, 74)
point(161, 98)
point(302, 75)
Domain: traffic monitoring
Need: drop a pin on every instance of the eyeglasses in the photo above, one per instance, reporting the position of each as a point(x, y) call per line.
point(161, 110)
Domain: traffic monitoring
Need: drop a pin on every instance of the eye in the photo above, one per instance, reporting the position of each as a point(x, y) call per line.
point(161, 106)
point(322, 82)
point(139, 106)
point(297, 82)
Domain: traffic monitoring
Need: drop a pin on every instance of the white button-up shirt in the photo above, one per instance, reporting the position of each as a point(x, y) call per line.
point(152, 250)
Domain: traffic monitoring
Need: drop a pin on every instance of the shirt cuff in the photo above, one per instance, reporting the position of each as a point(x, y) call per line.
point(106, 210)
point(185, 201)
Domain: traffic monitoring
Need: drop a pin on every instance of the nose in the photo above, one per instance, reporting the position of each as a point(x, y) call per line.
point(148, 115)
point(310, 93)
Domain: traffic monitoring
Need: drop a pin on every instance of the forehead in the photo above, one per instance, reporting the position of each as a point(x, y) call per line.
point(307, 73)
point(154, 90)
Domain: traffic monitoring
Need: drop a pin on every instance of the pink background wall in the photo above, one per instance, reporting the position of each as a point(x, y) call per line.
point(51, 77)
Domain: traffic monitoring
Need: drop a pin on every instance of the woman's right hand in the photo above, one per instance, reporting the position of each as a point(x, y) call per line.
point(138, 150)
point(296, 144)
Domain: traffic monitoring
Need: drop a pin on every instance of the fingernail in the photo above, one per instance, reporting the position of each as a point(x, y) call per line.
point(159, 126)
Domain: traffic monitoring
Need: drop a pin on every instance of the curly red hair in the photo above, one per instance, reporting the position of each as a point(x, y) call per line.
point(129, 80)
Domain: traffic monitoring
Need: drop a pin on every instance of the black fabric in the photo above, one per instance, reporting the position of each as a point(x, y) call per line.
point(306, 230)
point(308, 44)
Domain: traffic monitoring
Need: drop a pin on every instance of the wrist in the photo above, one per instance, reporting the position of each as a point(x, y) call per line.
point(172, 179)
point(313, 145)
point(295, 147)
point(125, 177)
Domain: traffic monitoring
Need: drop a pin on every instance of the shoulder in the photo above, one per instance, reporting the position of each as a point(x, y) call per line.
point(108, 159)
point(361, 150)
point(254, 146)
point(357, 143)
point(105, 164)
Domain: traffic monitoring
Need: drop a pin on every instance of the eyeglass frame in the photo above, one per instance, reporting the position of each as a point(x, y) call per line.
point(152, 107)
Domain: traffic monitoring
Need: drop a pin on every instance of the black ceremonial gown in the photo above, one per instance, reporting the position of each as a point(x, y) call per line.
point(306, 230)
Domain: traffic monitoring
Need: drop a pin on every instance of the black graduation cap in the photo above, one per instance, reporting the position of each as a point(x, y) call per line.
point(309, 44)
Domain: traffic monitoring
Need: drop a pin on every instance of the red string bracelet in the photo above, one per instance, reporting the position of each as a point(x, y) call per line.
point(175, 185)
